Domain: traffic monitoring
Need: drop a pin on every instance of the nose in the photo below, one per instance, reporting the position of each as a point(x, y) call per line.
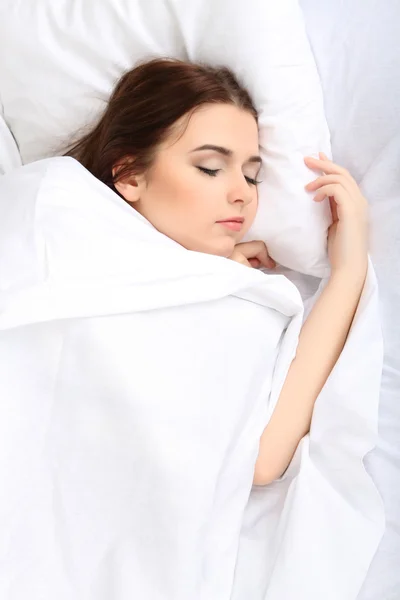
point(240, 191)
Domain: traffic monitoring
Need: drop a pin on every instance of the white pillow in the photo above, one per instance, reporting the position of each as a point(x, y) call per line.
point(61, 60)
point(9, 156)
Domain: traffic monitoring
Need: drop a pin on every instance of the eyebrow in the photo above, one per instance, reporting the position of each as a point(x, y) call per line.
point(226, 152)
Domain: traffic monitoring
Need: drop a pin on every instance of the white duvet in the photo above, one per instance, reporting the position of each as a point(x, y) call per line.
point(9, 155)
point(136, 378)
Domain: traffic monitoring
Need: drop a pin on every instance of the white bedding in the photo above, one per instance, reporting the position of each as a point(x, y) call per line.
point(356, 49)
point(356, 45)
point(128, 446)
point(9, 154)
point(263, 41)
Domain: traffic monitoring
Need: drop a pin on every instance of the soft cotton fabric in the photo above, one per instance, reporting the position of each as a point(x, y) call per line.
point(60, 61)
point(9, 154)
point(136, 379)
point(357, 52)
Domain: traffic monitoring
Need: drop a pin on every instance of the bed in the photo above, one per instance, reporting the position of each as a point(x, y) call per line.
point(356, 51)
point(358, 57)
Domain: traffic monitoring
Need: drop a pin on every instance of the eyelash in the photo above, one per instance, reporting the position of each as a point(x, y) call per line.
point(213, 173)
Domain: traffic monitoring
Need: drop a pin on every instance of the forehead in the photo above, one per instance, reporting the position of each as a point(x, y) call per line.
point(218, 124)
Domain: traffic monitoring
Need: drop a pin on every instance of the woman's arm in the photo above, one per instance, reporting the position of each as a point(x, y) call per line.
point(321, 341)
point(324, 333)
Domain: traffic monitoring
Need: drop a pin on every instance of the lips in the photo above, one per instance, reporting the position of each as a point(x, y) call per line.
point(233, 224)
point(232, 220)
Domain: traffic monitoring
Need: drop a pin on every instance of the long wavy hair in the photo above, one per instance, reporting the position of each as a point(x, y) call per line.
point(144, 105)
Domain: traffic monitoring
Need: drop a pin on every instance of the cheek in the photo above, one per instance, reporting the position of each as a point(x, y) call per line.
point(193, 197)
point(253, 209)
point(169, 193)
point(180, 184)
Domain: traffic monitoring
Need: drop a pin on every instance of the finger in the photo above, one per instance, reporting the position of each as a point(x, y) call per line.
point(256, 249)
point(238, 257)
point(250, 249)
point(266, 260)
point(327, 166)
point(325, 179)
point(333, 206)
point(254, 262)
point(324, 156)
point(271, 264)
point(335, 190)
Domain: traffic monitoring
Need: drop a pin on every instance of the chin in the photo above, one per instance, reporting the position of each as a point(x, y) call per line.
point(223, 247)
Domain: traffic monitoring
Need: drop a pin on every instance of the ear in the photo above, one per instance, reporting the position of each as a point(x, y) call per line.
point(130, 188)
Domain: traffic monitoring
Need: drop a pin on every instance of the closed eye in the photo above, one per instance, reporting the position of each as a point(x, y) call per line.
point(213, 173)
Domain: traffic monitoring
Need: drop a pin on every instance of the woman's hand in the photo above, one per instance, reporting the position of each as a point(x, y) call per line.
point(348, 234)
point(253, 254)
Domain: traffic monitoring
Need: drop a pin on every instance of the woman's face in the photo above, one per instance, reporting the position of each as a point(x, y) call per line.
point(189, 190)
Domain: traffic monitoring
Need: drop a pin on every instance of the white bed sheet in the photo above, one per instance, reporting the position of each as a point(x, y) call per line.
point(358, 56)
point(9, 154)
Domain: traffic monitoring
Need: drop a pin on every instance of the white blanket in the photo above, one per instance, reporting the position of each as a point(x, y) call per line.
point(9, 155)
point(356, 46)
point(136, 378)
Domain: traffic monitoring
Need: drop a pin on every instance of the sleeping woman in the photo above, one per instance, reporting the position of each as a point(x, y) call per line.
point(179, 143)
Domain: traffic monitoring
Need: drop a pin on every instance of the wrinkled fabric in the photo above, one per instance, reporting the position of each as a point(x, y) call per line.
point(136, 378)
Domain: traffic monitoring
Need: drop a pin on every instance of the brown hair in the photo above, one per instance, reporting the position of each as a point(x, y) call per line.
point(143, 107)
